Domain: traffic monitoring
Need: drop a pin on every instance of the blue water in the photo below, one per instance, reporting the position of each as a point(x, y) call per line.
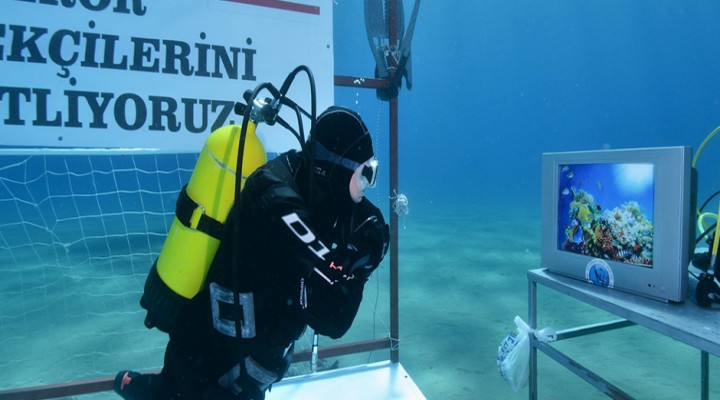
point(496, 84)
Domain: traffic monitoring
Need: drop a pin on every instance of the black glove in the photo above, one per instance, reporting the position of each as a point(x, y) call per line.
point(363, 249)
point(370, 238)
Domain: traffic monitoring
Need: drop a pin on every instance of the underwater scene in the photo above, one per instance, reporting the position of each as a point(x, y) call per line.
point(495, 84)
point(605, 211)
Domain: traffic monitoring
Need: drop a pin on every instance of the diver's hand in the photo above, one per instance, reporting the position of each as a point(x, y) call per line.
point(357, 259)
point(363, 250)
point(370, 241)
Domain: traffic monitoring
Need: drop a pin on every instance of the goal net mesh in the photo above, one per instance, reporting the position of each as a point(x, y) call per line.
point(78, 233)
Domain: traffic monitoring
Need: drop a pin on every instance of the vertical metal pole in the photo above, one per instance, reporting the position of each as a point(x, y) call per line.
point(532, 321)
point(314, 356)
point(394, 276)
point(704, 375)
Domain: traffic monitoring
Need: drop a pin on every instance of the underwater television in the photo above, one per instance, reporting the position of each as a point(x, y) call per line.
point(620, 218)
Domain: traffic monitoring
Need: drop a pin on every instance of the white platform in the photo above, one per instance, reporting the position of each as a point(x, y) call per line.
point(378, 381)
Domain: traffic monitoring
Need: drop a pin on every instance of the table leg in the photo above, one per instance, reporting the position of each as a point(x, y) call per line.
point(704, 375)
point(532, 321)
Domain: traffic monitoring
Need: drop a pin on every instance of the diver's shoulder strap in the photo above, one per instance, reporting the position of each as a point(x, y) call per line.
point(184, 209)
point(186, 206)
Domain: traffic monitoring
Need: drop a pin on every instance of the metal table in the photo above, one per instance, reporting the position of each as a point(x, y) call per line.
point(685, 322)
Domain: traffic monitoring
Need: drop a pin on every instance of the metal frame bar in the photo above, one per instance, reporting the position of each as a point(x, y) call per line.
point(593, 328)
point(571, 365)
point(601, 384)
point(583, 372)
point(532, 322)
point(704, 375)
point(59, 390)
point(373, 83)
point(105, 384)
point(394, 281)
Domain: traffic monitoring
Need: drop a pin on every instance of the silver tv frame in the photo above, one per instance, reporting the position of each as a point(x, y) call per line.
point(673, 223)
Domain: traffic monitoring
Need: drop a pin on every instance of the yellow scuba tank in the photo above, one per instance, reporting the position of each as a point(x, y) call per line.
point(188, 252)
point(202, 208)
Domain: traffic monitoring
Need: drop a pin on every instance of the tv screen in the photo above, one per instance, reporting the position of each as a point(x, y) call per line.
point(606, 211)
point(620, 218)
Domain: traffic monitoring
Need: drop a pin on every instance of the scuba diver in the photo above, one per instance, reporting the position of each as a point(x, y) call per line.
point(309, 242)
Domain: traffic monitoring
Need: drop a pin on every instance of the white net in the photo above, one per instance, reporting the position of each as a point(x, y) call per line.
point(78, 234)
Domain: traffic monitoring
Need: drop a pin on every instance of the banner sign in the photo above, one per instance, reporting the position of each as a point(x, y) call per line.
point(153, 74)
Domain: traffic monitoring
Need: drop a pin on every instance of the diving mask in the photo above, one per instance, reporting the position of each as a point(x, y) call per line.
point(368, 176)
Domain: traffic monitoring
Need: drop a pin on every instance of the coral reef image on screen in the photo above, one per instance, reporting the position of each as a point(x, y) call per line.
point(605, 211)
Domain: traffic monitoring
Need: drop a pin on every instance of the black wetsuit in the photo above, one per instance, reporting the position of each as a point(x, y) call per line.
point(295, 269)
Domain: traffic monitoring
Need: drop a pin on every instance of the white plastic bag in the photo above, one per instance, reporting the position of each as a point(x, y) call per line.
point(513, 358)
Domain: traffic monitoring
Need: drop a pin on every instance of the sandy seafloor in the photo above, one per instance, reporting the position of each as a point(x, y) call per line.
point(495, 85)
point(459, 302)
point(463, 279)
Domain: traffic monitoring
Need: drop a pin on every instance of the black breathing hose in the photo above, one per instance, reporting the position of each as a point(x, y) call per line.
point(280, 97)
